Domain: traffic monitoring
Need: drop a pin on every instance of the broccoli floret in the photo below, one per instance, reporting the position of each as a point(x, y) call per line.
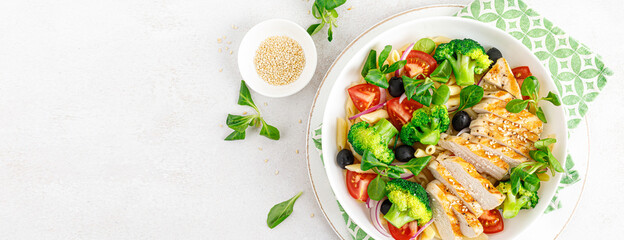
point(525, 199)
point(409, 202)
point(466, 57)
point(426, 125)
point(374, 139)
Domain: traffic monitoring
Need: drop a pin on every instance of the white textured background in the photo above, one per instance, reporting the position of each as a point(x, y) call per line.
point(111, 114)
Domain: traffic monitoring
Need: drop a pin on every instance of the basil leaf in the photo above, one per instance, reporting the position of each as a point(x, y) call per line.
point(424, 99)
point(416, 164)
point(377, 78)
point(371, 63)
point(441, 95)
point(410, 85)
point(553, 98)
point(530, 87)
point(236, 135)
point(239, 123)
point(425, 45)
point(395, 171)
point(376, 188)
point(315, 28)
point(515, 180)
point(395, 66)
point(383, 55)
point(281, 211)
point(269, 131)
point(543, 144)
point(442, 73)
point(540, 114)
point(369, 161)
point(516, 105)
point(470, 96)
point(554, 163)
point(330, 4)
point(539, 156)
point(244, 97)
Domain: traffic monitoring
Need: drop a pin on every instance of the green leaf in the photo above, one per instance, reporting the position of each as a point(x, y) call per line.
point(539, 156)
point(371, 63)
point(424, 99)
point(540, 114)
point(333, 13)
point(394, 171)
point(425, 45)
point(470, 96)
point(330, 4)
point(369, 161)
point(240, 123)
point(410, 85)
point(315, 28)
point(553, 98)
point(554, 163)
point(442, 73)
point(330, 34)
point(377, 78)
point(269, 131)
point(516, 105)
point(395, 66)
point(530, 87)
point(244, 97)
point(235, 136)
point(377, 188)
point(316, 11)
point(543, 144)
point(441, 95)
point(383, 55)
point(416, 164)
point(281, 211)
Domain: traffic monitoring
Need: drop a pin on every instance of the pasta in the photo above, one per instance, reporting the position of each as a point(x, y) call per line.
point(429, 233)
point(341, 133)
point(430, 149)
point(394, 57)
point(350, 109)
point(440, 39)
point(375, 116)
point(420, 153)
point(452, 102)
point(454, 90)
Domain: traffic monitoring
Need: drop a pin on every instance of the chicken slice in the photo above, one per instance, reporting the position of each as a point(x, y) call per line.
point(440, 173)
point(443, 216)
point(507, 154)
point(497, 107)
point(492, 121)
point(500, 75)
point(468, 223)
point(483, 161)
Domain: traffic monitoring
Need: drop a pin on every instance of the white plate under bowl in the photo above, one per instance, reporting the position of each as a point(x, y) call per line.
point(251, 42)
point(452, 27)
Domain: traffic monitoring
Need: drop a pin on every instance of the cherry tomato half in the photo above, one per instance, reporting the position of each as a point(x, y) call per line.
point(357, 184)
point(492, 221)
point(406, 232)
point(419, 62)
point(364, 96)
point(401, 113)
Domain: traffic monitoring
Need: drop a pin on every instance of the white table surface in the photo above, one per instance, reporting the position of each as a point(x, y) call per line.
point(113, 113)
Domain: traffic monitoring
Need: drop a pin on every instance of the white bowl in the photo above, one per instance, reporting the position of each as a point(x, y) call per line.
point(251, 42)
point(452, 27)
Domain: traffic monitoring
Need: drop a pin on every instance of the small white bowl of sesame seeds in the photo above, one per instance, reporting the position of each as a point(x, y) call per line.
point(277, 58)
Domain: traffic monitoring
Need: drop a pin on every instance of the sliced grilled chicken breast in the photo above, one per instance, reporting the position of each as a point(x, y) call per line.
point(497, 107)
point(468, 223)
point(480, 188)
point(440, 173)
point(443, 216)
point(507, 154)
point(483, 161)
point(492, 121)
point(500, 95)
point(504, 138)
point(500, 75)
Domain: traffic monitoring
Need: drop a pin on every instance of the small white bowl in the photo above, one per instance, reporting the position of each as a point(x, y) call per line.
point(251, 42)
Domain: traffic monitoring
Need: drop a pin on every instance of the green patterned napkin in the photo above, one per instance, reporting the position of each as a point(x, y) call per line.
point(578, 72)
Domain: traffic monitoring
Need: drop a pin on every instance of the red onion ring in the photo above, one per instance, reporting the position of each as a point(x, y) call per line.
point(368, 203)
point(378, 106)
point(402, 98)
point(403, 57)
point(382, 98)
point(421, 229)
point(375, 217)
point(407, 176)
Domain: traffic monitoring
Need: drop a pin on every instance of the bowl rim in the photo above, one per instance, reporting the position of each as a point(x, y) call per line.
point(562, 141)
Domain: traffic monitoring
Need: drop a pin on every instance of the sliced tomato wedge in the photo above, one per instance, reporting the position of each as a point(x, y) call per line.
point(492, 221)
point(401, 113)
point(404, 233)
point(419, 62)
point(357, 184)
point(364, 96)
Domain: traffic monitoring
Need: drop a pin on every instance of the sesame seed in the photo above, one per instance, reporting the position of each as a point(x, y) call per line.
point(297, 151)
point(220, 125)
point(308, 12)
point(279, 60)
point(230, 42)
point(220, 69)
point(231, 52)
point(349, 9)
point(276, 172)
point(220, 50)
point(227, 48)
point(244, 113)
point(234, 26)
point(224, 37)
point(266, 104)
point(219, 40)
point(300, 121)
point(260, 148)
point(312, 215)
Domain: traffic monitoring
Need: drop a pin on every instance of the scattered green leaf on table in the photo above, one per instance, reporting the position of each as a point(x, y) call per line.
point(236, 135)
point(269, 131)
point(281, 211)
point(244, 97)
